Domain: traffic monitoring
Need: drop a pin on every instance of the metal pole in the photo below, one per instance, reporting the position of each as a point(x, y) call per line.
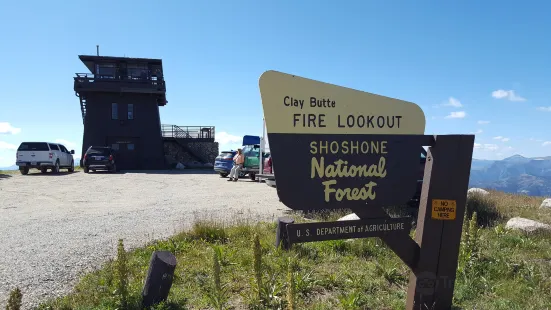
point(97, 50)
point(262, 145)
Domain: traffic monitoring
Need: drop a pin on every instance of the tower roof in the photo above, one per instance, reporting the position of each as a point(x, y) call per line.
point(89, 60)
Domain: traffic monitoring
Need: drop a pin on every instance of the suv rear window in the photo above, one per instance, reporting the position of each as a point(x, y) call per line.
point(33, 146)
point(98, 151)
point(226, 155)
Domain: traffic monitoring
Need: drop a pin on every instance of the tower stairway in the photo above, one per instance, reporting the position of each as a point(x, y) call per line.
point(82, 99)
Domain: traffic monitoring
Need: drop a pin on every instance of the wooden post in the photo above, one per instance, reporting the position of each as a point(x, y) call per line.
point(159, 278)
point(281, 234)
point(400, 243)
point(440, 222)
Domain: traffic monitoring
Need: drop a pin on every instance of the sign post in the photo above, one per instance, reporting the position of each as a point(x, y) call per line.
point(337, 147)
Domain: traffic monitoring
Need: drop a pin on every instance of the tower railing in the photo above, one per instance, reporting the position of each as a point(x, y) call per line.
point(188, 132)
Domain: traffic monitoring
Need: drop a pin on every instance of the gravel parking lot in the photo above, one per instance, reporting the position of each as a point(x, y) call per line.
point(54, 227)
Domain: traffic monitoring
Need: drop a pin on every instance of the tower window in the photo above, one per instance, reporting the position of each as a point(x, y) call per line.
point(130, 111)
point(114, 111)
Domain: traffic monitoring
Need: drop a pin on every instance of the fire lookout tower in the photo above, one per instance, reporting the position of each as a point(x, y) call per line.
point(119, 101)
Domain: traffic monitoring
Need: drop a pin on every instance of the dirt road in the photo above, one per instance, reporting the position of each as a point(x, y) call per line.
point(53, 227)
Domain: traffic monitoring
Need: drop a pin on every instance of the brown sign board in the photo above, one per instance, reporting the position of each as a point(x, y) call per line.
point(335, 147)
point(321, 231)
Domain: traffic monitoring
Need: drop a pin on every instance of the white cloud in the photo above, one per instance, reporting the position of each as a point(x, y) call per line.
point(483, 122)
point(545, 109)
point(7, 146)
point(67, 144)
point(502, 139)
point(452, 102)
point(536, 140)
point(458, 114)
point(546, 143)
point(477, 132)
point(507, 94)
point(487, 146)
point(226, 138)
point(7, 128)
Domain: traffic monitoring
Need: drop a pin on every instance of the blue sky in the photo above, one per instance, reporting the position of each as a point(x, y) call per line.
point(473, 66)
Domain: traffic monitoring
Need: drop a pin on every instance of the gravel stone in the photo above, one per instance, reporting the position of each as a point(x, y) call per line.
point(54, 228)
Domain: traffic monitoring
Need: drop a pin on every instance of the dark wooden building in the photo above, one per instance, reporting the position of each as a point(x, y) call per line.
point(120, 100)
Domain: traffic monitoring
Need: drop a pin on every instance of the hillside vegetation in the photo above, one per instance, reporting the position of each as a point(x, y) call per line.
point(221, 266)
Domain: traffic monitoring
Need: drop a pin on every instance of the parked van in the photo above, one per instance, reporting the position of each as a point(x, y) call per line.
point(44, 156)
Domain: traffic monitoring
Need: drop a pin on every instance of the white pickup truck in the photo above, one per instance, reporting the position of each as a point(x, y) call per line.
point(44, 156)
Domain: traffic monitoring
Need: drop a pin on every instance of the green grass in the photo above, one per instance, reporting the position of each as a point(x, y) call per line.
point(499, 269)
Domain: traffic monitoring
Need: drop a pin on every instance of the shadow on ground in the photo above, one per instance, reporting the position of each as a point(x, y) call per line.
point(185, 171)
point(4, 176)
point(50, 174)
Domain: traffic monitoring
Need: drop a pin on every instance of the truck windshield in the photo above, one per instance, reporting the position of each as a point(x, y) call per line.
point(33, 146)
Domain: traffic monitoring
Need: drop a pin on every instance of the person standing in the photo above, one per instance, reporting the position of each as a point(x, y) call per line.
point(238, 161)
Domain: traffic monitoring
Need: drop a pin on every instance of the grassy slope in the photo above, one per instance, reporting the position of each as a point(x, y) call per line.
point(508, 271)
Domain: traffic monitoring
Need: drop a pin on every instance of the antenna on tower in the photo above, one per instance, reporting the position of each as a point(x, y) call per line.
point(97, 50)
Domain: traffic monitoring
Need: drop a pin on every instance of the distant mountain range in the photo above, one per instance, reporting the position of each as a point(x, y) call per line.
point(515, 174)
point(14, 167)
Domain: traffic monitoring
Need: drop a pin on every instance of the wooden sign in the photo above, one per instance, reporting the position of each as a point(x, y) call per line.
point(335, 147)
point(320, 231)
point(339, 147)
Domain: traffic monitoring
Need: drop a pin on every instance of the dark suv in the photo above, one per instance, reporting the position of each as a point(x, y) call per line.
point(99, 158)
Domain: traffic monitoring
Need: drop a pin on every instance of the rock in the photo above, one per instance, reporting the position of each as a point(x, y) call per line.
point(180, 166)
point(206, 151)
point(477, 191)
point(526, 225)
point(546, 203)
point(349, 217)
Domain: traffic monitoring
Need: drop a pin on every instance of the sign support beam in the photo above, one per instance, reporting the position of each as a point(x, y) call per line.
point(400, 243)
point(445, 182)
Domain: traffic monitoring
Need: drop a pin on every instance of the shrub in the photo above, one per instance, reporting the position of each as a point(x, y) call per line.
point(291, 286)
point(15, 299)
point(257, 257)
point(217, 295)
point(122, 276)
point(209, 231)
point(469, 254)
point(485, 207)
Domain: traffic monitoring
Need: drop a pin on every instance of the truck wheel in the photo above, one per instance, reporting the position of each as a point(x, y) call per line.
point(223, 175)
point(72, 168)
point(55, 169)
point(85, 169)
point(252, 176)
point(24, 170)
point(43, 170)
